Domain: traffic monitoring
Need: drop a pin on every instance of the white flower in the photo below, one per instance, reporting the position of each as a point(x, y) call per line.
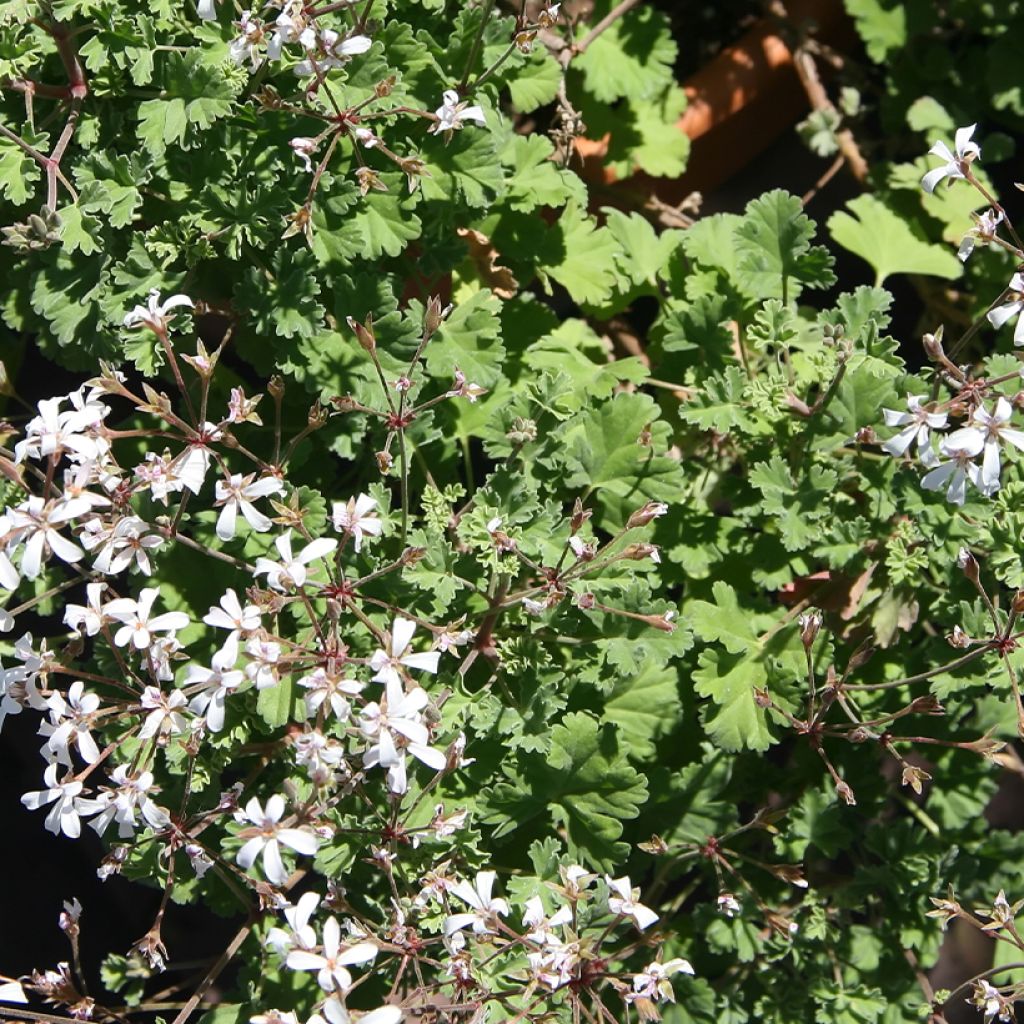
point(956, 165)
point(192, 465)
point(291, 570)
point(357, 517)
point(451, 114)
point(165, 717)
point(541, 925)
point(264, 656)
point(236, 495)
point(300, 934)
point(287, 29)
point(623, 900)
point(486, 908)
point(960, 468)
point(986, 228)
point(70, 721)
point(269, 835)
point(123, 803)
point(991, 1002)
point(87, 618)
point(63, 816)
point(207, 10)
point(917, 423)
point(728, 904)
point(303, 149)
point(139, 625)
point(330, 966)
point(999, 316)
point(338, 51)
point(53, 433)
point(154, 314)
point(387, 664)
point(218, 681)
point(653, 981)
point(461, 388)
point(36, 523)
point(129, 541)
point(231, 615)
point(247, 42)
point(988, 429)
point(397, 726)
point(330, 687)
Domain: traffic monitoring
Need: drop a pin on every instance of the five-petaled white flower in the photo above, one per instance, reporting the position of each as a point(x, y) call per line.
point(396, 724)
point(139, 624)
point(960, 468)
point(331, 964)
point(36, 522)
point(452, 113)
point(917, 423)
point(624, 901)
point(70, 721)
point(388, 664)
point(956, 164)
point(291, 570)
point(87, 618)
point(988, 429)
point(154, 314)
point(63, 816)
point(653, 981)
point(237, 494)
point(165, 717)
point(300, 934)
point(1008, 310)
point(218, 681)
point(231, 615)
point(357, 517)
point(266, 835)
point(486, 908)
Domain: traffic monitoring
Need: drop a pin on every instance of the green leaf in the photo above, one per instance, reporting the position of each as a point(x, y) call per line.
point(882, 26)
point(877, 234)
point(19, 172)
point(633, 58)
point(195, 95)
point(276, 705)
point(535, 83)
point(283, 302)
point(773, 243)
point(536, 180)
point(584, 784)
point(580, 256)
point(470, 339)
point(644, 707)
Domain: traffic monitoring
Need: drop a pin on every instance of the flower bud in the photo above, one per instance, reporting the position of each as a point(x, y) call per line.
point(384, 86)
point(969, 564)
point(866, 435)
point(914, 777)
point(363, 332)
point(958, 638)
point(810, 623)
point(642, 516)
point(384, 461)
point(585, 602)
point(928, 704)
point(933, 346)
point(579, 516)
point(410, 556)
point(1018, 602)
point(433, 315)
point(275, 387)
point(843, 790)
point(317, 416)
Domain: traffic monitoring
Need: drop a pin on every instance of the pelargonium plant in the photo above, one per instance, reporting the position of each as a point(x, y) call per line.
point(496, 597)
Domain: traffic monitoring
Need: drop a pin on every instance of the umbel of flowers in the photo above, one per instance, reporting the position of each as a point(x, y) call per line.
point(358, 684)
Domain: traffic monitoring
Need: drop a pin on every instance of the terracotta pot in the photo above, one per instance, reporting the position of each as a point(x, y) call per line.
point(739, 104)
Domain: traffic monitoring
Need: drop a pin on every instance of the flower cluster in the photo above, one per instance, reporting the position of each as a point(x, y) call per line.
point(303, 639)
